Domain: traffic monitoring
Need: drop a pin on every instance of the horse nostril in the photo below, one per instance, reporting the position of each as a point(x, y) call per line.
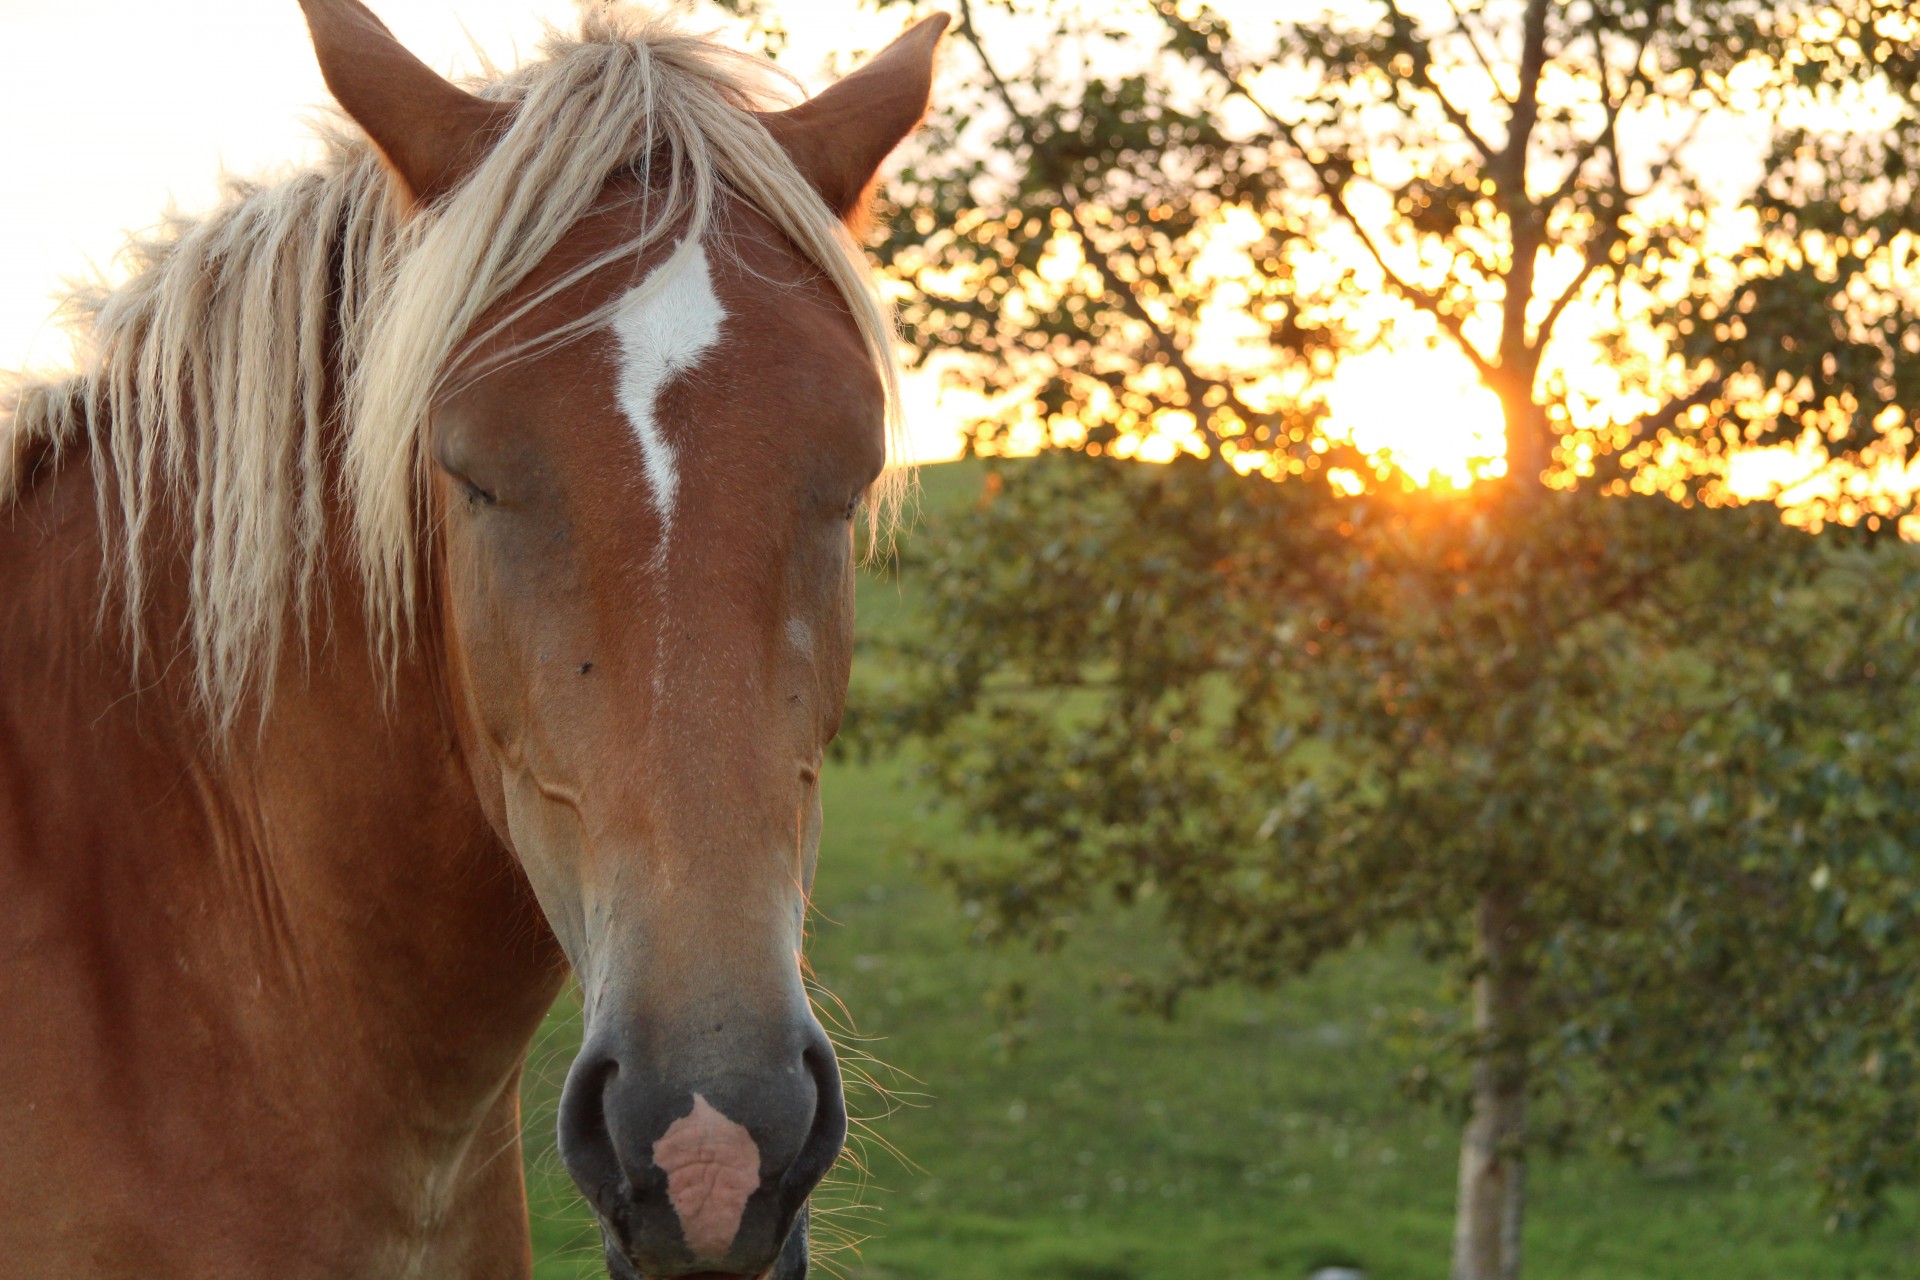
point(828, 1133)
point(586, 1140)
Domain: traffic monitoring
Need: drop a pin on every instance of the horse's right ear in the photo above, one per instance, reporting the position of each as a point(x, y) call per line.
point(431, 132)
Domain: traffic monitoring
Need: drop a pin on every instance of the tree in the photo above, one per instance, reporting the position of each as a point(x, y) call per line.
point(1482, 177)
point(1298, 717)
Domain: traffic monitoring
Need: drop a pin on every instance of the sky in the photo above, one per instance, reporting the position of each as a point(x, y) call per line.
point(117, 109)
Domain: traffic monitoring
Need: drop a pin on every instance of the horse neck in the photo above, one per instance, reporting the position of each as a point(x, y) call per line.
point(326, 877)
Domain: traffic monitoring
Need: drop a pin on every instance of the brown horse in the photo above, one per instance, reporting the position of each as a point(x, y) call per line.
point(440, 573)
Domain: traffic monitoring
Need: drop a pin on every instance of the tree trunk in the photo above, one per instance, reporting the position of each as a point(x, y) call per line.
point(1529, 435)
point(1493, 1165)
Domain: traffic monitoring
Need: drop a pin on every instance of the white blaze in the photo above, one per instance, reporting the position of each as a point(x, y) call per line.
point(664, 325)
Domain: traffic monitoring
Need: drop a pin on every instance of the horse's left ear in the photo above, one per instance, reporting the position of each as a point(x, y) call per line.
point(839, 138)
point(431, 131)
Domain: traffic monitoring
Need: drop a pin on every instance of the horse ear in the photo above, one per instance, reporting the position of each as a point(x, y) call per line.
point(432, 133)
point(839, 138)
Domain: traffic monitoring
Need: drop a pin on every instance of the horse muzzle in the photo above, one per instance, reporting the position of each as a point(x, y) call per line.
point(704, 1169)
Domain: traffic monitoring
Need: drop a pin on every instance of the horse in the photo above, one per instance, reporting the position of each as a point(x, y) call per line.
point(436, 578)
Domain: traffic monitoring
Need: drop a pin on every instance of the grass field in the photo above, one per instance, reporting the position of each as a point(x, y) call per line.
point(1255, 1136)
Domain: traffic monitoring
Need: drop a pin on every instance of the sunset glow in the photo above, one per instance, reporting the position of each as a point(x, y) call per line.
point(1421, 410)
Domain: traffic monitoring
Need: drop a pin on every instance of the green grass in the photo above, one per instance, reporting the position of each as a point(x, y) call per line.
point(1255, 1136)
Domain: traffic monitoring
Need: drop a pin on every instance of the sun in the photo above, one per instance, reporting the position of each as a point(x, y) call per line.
point(1421, 409)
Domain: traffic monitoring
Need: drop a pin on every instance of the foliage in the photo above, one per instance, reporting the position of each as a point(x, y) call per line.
point(1285, 721)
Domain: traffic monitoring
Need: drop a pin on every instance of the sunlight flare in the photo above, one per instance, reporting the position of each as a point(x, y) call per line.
point(1421, 410)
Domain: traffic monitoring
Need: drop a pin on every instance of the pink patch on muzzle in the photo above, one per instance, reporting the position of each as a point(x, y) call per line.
point(712, 1168)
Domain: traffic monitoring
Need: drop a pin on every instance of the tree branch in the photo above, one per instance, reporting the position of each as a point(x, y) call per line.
point(1473, 42)
point(1199, 387)
point(1658, 171)
point(972, 36)
point(1333, 186)
point(1608, 137)
point(1593, 260)
point(1671, 412)
point(1426, 300)
point(1526, 108)
point(1524, 220)
point(1423, 68)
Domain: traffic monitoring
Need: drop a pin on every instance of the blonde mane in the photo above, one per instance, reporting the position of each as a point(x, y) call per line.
point(204, 377)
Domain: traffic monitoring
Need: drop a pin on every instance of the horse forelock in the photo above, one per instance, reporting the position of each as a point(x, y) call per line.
point(313, 317)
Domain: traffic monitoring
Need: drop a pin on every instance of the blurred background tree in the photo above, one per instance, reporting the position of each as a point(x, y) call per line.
point(1633, 760)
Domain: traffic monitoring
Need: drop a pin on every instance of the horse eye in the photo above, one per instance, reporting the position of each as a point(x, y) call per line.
point(853, 507)
point(475, 494)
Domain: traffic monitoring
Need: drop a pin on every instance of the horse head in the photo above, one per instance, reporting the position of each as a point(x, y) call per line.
point(642, 472)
